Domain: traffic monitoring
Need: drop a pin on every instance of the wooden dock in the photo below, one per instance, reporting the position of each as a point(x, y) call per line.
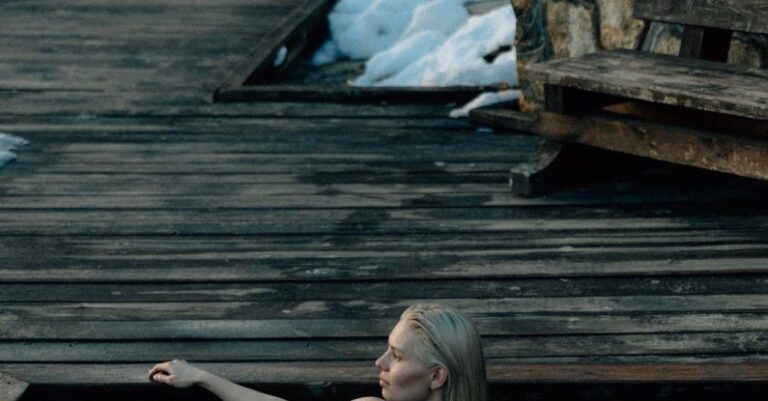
point(276, 243)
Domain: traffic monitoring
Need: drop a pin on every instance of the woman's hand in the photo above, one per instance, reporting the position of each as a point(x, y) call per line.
point(177, 373)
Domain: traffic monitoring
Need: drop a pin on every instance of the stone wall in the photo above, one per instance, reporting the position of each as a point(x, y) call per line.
point(565, 28)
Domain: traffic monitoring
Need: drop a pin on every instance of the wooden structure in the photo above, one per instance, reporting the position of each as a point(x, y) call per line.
point(694, 109)
point(11, 388)
point(276, 243)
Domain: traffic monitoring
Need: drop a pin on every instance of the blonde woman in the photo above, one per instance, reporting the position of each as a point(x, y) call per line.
point(434, 354)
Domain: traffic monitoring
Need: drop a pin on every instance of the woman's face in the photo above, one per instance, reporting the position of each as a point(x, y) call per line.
point(402, 375)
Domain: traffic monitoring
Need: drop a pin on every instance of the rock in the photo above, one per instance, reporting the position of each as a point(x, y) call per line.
point(530, 39)
point(618, 29)
point(571, 28)
point(748, 50)
point(664, 38)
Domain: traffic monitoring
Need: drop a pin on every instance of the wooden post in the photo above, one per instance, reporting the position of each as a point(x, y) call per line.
point(11, 388)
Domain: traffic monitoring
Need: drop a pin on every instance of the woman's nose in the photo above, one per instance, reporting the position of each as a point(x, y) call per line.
point(380, 362)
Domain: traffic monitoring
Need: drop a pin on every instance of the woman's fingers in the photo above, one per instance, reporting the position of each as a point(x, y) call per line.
point(161, 368)
point(161, 378)
point(177, 373)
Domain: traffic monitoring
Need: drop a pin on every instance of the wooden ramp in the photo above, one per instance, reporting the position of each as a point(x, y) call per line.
point(276, 243)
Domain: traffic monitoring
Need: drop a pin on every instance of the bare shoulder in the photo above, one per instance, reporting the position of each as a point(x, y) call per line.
point(368, 399)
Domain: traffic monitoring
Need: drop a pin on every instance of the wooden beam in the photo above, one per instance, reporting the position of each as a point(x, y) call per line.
point(728, 154)
point(362, 372)
point(11, 388)
point(738, 15)
point(662, 79)
point(352, 94)
point(293, 35)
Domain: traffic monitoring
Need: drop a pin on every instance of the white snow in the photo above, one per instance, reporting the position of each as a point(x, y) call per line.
point(361, 28)
point(9, 143)
point(485, 99)
point(282, 52)
point(444, 16)
point(423, 43)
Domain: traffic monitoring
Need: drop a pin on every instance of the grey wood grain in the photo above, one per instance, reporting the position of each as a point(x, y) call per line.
point(739, 15)
point(627, 369)
point(734, 343)
point(11, 388)
point(697, 84)
point(514, 325)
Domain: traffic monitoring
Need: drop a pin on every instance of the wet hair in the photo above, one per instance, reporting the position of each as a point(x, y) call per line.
point(447, 338)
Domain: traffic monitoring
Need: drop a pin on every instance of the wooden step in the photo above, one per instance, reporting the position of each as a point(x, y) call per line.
point(677, 81)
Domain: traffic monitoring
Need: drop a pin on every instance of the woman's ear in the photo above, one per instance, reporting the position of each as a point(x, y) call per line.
point(439, 377)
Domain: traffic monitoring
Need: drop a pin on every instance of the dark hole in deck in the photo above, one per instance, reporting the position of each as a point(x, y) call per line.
point(498, 392)
point(260, 78)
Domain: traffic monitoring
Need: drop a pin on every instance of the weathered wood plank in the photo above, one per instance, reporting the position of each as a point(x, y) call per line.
point(697, 84)
point(11, 388)
point(376, 290)
point(93, 127)
point(230, 247)
point(352, 94)
point(740, 15)
point(364, 309)
point(23, 165)
point(38, 101)
point(207, 187)
point(245, 198)
point(356, 269)
point(362, 372)
point(293, 31)
point(372, 269)
point(711, 150)
point(413, 220)
point(514, 325)
point(32, 180)
point(734, 343)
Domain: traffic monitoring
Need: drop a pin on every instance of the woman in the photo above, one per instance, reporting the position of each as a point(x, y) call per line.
point(434, 354)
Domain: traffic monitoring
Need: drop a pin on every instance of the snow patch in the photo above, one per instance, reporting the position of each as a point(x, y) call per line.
point(485, 99)
point(425, 43)
point(422, 42)
point(361, 28)
point(8, 144)
point(280, 56)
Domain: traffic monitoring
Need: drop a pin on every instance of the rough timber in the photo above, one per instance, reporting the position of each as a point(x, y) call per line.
point(277, 242)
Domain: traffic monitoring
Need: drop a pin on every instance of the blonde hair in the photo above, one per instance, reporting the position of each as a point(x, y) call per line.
point(447, 338)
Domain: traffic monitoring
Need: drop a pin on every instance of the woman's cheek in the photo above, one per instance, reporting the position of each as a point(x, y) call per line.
point(416, 380)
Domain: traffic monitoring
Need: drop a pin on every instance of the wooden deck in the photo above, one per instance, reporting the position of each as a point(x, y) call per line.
point(277, 243)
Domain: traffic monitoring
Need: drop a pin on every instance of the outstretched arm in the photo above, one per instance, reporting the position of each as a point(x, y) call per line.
point(180, 374)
